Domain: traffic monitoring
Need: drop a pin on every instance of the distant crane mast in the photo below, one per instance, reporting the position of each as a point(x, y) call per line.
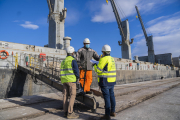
point(142, 25)
point(124, 32)
point(149, 40)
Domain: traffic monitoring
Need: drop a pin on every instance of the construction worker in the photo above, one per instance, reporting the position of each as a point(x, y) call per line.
point(106, 70)
point(69, 75)
point(83, 56)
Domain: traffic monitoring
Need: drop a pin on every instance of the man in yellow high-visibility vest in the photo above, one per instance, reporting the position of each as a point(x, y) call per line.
point(69, 75)
point(106, 70)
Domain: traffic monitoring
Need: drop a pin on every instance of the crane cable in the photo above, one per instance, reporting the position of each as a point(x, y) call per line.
point(49, 16)
point(120, 9)
point(145, 25)
point(124, 16)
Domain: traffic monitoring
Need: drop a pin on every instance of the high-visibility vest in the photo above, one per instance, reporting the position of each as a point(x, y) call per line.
point(110, 74)
point(67, 73)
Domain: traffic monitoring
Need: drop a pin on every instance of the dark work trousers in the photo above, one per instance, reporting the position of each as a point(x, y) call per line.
point(109, 98)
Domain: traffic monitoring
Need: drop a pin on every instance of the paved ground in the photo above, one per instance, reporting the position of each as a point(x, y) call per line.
point(165, 106)
point(152, 100)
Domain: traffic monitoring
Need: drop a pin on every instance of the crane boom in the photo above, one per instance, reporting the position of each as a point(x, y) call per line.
point(142, 25)
point(118, 19)
point(124, 32)
point(149, 40)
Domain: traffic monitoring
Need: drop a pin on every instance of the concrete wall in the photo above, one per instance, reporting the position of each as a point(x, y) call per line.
point(29, 49)
point(124, 64)
point(24, 50)
point(176, 61)
point(17, 83)
point(132, 76)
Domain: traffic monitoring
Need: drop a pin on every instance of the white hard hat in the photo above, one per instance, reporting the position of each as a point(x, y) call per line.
point(86, 40)
point(106, 48)
point(70, 49)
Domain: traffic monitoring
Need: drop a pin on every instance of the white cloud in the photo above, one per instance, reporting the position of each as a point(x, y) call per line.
point(105, 13)
point(166, 36)
point(106, 10)
point(29, 25)
point(175, 15)
point(138, 35)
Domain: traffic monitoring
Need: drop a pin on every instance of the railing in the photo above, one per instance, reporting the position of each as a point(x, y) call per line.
point(48, 65)
point(51, 65)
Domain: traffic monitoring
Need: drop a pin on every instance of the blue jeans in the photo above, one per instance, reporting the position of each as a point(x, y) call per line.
point(108, 94)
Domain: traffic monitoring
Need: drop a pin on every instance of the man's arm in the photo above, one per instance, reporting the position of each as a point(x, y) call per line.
point(95, 55)
point(75, 68)
point(99, 68)
point(78, 55)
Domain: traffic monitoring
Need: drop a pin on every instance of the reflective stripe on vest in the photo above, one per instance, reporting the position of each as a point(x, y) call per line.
point(106, 71)
point(67, 73)
point(106, 76)
point(66, 69)
point(110, 74)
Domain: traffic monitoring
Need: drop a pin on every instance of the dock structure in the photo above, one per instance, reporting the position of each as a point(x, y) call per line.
point(56, 18)
point(124, 32)
point(49, 106)
point(30, 82)
point(37, 71)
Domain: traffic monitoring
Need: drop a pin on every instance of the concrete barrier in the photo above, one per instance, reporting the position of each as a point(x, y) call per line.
point(132, 76)
point(17, 83)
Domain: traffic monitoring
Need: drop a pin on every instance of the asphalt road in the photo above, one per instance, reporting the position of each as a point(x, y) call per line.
point(165, 106)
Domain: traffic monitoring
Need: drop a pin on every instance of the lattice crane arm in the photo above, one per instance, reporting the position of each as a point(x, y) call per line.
point(142, 25)
point(118, 19)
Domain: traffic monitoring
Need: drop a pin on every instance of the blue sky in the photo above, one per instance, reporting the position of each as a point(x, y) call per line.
point(25, 21)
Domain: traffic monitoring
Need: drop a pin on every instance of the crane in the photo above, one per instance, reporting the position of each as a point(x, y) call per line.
point(149, 40)
point(124, 32)
point(56, 19)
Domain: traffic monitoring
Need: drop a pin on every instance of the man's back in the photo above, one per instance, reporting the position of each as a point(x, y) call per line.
point(84, 56)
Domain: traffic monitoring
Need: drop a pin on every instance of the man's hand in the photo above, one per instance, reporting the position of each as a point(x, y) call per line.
point(77, 81)
point(94, 64)
point(80, 67)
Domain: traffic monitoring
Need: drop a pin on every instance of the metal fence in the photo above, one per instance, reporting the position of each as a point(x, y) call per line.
point(51, 65)
point(41, 64)
point(47, 65)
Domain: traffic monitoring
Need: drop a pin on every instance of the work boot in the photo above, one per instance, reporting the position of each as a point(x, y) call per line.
point(89, 92)
point(72, 115)
point(106, 117)
point(65, 114)
point(113, 114)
